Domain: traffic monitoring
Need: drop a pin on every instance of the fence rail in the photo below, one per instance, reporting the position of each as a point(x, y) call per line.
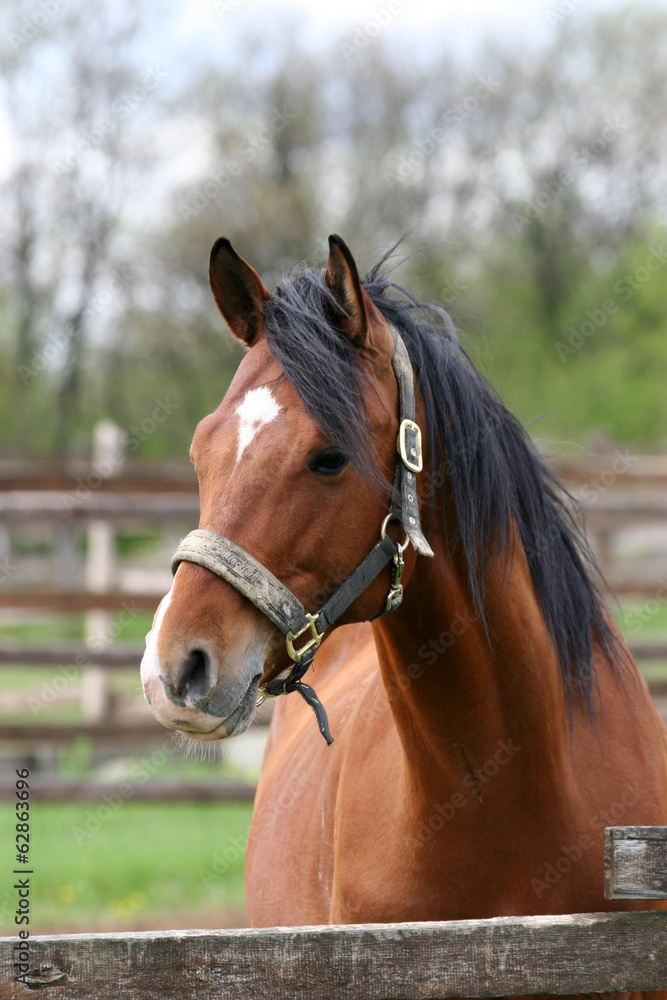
point(611, 508)
point(82, 475)
point(78, 600)
point(105, 730)
point(510, 956)
point(137, 474)
point(26, 505)
point(52, 790)
point(501, 956)
point(61, 654)
point(122, 657)
point(115, 600)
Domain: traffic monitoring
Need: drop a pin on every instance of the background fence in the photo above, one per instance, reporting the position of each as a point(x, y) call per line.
point(84, 556)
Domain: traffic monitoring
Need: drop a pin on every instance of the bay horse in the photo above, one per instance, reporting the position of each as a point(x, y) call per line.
point(491, 723)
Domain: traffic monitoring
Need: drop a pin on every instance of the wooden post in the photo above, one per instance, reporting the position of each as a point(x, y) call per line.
point(67, 561)
point(635, 862)
point(5, 552)
point(603, 542)
point(100, 575)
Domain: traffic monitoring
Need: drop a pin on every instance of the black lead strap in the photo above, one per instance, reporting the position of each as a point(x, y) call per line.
point(229, 561)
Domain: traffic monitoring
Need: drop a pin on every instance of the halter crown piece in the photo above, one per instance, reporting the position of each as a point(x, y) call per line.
point(228, 560)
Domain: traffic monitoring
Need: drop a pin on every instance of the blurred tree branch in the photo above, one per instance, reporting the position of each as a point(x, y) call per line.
point(524, 180)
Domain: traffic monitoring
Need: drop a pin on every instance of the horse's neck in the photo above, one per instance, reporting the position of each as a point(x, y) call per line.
point(462, 697)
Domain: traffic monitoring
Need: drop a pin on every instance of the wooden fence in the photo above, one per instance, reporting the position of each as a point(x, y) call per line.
point(500, 956)
point(617, 491)
point(615, 494)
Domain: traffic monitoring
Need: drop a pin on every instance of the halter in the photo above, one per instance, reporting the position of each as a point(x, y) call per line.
point(232, 563)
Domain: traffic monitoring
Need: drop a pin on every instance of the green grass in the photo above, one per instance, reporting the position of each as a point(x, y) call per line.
point(643, 620)
point(61, 628)
point(57, 628)
point(97, 864)
point(136, 543)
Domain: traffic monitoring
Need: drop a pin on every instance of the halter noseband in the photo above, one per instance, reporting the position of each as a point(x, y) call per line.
point(228, 560)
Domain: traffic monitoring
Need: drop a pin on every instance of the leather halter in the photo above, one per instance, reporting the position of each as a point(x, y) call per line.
point(228, 560)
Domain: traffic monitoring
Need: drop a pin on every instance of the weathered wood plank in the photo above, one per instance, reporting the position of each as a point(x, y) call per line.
point(473, 958)
point(24, 505)
point(140, 474)
point(76, 654)
point(84, 600)
point(635, 862)
point(76, 487)
point(61, 653)
point(63, 732)
point(45, 790)
point(72, 474)
point(643, 470)
point(78, 600)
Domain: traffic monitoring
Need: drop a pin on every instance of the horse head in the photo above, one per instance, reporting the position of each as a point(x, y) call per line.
point(305, 503)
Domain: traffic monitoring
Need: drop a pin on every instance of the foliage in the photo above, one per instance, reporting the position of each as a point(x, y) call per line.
point(529, 188)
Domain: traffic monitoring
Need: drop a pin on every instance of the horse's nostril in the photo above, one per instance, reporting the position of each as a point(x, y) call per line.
point(194, 681)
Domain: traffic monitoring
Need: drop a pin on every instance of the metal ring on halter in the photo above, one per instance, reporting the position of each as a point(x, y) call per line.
point(383, 530)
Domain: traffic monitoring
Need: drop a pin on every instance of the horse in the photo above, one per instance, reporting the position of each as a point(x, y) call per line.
point(488, 720)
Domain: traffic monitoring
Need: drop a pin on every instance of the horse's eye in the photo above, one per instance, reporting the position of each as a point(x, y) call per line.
point(327, 463)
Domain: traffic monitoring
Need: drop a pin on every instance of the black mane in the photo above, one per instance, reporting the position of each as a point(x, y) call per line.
point(495, 475)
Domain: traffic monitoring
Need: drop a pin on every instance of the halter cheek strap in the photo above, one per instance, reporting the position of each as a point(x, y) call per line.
point(303, 631)
point(409, 448)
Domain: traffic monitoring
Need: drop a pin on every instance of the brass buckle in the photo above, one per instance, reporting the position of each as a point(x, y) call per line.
point(313, 642)
point(414, 461)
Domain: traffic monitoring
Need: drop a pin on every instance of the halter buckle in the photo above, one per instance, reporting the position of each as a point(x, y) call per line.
point(312, 643)
point(411, 454)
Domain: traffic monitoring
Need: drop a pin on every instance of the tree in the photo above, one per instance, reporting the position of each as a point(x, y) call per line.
point(79, 103)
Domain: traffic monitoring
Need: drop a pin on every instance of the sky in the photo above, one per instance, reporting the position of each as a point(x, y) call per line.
point(210, 29)
point(422, 22)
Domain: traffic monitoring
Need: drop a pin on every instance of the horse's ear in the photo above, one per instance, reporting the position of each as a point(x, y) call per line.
point(238, 292)
point(342, 279)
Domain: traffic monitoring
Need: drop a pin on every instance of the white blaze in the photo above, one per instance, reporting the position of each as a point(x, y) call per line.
point(257, 409)
point(149, 664)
